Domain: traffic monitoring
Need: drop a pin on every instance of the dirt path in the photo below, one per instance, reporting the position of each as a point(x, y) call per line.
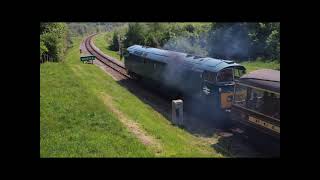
point(132, 126)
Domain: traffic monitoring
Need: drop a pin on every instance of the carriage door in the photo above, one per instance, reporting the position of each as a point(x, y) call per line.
point(207, 90)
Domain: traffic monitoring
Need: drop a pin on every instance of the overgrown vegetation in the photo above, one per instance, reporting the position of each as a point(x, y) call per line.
point(55, 38)
point(237, 41)
point(53, 41)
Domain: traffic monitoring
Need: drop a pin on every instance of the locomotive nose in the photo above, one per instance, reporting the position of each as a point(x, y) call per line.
point(226, 100)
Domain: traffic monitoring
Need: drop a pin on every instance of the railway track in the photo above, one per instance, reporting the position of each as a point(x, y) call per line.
point(115, 66)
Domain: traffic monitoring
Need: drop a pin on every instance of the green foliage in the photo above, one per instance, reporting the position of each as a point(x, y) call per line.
point(238, 41)
point(135, 35)
point(53, 40)
point(174, 36)
point(118, 34)
point(43, 48)
point(273, 44)
point(155, 34)
point(115, 41)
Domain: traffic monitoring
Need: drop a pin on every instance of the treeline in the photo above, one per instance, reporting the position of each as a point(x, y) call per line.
point(84, 28)
point(53, 41)
point(55, 38)
point(238, 41)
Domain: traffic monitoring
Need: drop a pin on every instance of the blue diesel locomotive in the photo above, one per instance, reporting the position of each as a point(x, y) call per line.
point(207, 80)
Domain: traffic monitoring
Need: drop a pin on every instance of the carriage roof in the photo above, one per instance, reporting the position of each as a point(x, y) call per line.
point(264, 78)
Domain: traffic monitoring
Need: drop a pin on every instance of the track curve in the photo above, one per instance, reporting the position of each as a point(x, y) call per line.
point(113, 64)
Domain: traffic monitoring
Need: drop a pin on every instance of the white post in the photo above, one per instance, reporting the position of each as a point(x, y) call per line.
point(177, 111)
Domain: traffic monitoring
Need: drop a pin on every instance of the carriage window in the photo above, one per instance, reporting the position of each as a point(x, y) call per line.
point(271, 105)
point(208, 76)
point(258, 100)
point(240, 95)
point(255, 99)
point(225, 75)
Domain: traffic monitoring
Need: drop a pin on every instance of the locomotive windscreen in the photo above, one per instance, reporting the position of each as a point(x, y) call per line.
point(225, 75)
point(229, 74)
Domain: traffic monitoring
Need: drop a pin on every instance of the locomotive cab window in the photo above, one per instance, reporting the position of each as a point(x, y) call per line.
point(225, 75)
point(208, 76)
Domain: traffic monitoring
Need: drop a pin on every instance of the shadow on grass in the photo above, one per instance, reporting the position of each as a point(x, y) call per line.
point(229, 143)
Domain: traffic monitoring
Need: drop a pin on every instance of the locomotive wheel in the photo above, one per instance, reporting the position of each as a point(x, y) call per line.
point(134, 75)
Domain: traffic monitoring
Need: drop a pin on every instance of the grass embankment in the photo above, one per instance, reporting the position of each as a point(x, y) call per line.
point(102, 41)
point(255, 65)
point(83, 111)
point(74, 122)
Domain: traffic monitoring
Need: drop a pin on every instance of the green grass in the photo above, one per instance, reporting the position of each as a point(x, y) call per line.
point(74, 121)
point(255, 65)
point(102, 42)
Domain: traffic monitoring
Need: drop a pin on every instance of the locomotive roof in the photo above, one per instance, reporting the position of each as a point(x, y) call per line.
point(264, 78)
point(165, 56)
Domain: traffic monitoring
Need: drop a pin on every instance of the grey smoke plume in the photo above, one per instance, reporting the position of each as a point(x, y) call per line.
point(173, 72)
point(226, 43)
point(229, 42)
point(188, 45)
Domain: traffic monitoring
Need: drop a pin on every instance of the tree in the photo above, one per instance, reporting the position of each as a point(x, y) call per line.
point(53, 40)
point(135, 35)
point(115, 41)
point(43, 48)
point(273, 44)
